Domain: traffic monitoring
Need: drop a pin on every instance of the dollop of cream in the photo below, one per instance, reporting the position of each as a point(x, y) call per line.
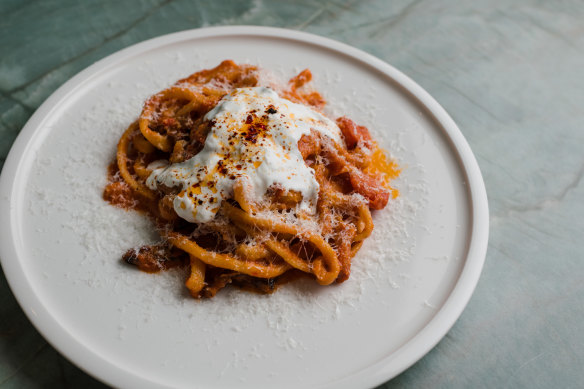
point(253, 137)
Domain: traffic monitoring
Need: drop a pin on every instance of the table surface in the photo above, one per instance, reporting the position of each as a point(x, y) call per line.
point(510, 73)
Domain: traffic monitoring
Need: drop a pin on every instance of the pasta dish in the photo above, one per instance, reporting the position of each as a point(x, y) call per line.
point(248, 184)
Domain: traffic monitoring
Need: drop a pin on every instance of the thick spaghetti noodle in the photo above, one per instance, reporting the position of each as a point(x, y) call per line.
point(248, 186)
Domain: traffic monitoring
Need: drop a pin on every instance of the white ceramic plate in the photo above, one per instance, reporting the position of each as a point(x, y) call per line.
point(60, 244)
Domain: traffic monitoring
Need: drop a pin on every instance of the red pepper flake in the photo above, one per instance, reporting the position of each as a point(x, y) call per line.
point(221, 167)
point(254, 132)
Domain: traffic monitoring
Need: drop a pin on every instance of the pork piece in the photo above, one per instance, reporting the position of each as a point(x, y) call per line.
point(309, 145)
point(154, 258)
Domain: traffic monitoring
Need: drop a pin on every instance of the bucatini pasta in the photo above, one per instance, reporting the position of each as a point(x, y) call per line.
point(247, 184)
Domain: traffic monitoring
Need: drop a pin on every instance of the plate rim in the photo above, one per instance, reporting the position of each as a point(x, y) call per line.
point(388, 367)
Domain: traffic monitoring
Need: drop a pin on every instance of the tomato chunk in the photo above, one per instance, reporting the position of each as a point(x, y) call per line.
point(353, 133)
point(369, 187)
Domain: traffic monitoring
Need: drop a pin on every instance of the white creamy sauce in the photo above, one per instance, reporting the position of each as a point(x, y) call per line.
point(254, 137)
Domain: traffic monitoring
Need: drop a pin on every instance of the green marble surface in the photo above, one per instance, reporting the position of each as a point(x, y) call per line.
point(510, 73)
